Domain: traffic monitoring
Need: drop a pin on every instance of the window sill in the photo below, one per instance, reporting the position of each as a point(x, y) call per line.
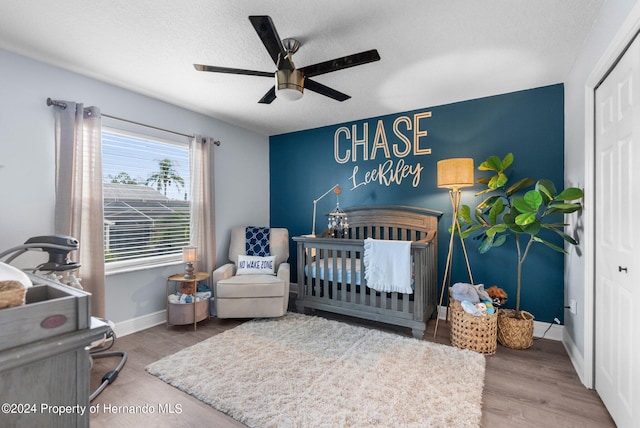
point(116, 268)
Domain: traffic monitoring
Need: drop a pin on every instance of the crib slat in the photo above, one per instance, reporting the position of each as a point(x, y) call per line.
point(301, 276)
point(353, 290)
point(310, 280)
point(308, 283)
point(316, 283)
point(345, 283)
point(418, 299)
point(324, 293)
point(334, 279)
point(363, 281)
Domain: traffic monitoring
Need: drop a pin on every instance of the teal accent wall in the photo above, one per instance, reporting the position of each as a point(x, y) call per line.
point(367, 159)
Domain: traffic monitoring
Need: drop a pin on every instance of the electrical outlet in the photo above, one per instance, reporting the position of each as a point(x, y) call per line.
point(573, 306)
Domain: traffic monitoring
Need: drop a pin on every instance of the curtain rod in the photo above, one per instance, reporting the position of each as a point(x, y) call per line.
point(63, 106)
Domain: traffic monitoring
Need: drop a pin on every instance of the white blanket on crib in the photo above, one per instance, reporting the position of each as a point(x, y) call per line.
point(388, 265)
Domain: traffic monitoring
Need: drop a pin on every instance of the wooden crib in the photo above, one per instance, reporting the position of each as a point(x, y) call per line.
point(331, 276)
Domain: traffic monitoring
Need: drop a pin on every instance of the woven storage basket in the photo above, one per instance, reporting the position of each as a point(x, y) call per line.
point(477, 333)
point(515, 333)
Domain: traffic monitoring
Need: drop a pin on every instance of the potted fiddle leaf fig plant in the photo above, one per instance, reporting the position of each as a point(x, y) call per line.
point(521, 210)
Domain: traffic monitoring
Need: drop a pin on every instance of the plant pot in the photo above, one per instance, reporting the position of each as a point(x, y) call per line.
point(515, 333)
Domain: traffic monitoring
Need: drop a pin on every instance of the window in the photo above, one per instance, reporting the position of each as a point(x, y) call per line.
point(146, 199)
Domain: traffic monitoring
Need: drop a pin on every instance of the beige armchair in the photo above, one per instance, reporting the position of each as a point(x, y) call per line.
point(253, 295)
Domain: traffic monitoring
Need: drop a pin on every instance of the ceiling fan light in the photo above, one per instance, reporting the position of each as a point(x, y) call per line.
point(289, 84)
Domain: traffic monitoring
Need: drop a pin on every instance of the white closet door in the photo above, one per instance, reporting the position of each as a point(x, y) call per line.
point(617, 341)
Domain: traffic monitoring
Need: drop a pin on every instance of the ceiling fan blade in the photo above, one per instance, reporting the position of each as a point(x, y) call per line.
point(269, 96)
point(271, 40)
point(314, 86)
point(341, 63)
point(214, 69)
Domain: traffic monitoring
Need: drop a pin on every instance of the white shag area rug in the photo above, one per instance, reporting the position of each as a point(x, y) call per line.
point(303, 371)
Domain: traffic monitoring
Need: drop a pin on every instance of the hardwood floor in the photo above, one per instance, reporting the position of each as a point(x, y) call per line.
point(532, 388)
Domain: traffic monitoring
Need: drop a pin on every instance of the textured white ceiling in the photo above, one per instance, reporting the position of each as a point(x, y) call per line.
point(432, 52)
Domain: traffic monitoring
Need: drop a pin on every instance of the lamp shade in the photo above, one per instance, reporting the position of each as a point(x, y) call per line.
point(455, 173)
point(289, 84)
point(190, 254)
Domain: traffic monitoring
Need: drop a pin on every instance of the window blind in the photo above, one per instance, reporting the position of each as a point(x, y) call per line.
point(146, 198)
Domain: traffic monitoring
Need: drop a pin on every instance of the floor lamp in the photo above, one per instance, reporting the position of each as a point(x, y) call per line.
point(454, 174)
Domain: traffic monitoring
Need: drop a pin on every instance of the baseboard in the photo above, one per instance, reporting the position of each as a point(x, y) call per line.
point(144, 322)
point(575, 357)
point(442, 312)
point(556, 332)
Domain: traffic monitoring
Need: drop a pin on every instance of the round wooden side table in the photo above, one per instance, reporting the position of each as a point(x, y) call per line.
point(176, 312)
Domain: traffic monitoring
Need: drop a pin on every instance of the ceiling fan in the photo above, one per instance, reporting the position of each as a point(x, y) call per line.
point(291, 81)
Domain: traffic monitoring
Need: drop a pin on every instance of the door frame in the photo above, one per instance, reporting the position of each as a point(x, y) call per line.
point(614, 51)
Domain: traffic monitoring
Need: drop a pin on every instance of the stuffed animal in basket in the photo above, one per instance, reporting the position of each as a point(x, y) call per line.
point(498, 296)
point(470, 292)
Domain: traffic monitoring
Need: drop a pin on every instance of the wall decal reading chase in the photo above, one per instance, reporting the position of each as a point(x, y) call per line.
point(347, 145)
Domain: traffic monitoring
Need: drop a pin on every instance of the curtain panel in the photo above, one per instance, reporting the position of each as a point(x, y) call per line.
point(79, 206)
point(203, 234)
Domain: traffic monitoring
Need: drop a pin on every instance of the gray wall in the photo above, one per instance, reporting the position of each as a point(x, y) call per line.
point(612, 16)
point(27, 168)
